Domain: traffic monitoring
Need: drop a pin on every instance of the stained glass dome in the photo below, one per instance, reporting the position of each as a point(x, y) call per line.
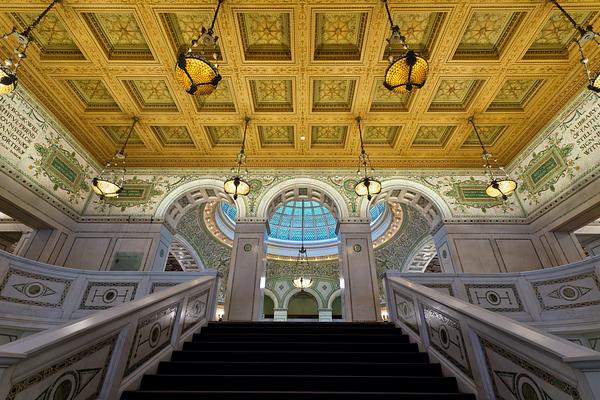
point(286, 222)
point(319, 223)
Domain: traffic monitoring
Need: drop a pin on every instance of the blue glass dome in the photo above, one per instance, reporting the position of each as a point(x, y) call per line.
point(319, 223)
point(286, 222)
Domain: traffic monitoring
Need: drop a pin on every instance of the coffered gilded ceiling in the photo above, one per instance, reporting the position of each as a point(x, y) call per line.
point(302, 71)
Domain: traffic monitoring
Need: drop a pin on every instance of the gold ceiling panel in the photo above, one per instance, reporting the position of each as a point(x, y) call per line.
point(333, 94)
point(339, 35)
point(272, 95)
point(554, 38)
point(221, 100)
point(489, 135)
point(432, 136)
point(334, 136)
point(93, 94)
point(272, 135)
point(173, 135)
point(514, 94)
point(303, 69)
point(381, 135)
point(225, 135)
point(182, 27)
point(421, 29)
point(384, 100)
point(487, 34)
point(119, 35)
point(118, 135)
point(455, 94)
point(266, 36)
point(51, 36)
point(151, 94)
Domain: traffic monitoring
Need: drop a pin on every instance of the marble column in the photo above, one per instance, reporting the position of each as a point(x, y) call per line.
point(358, 268)
point(244, 297)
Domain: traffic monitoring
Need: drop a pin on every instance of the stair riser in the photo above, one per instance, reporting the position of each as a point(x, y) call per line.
point(290, 346)
point(269, 338)
point(294, 396)
point(300, 330)
point(298, 356)
point(293, 383)
point(278, 368)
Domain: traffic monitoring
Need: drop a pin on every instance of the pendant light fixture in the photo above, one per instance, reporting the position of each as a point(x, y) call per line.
point(10, 66)
point(368, 185)
point(194, 71)
point(586, 34)
point(109, 183)
point(501, 185)
point(407, 71)
point(238, 184)
point(302, 260)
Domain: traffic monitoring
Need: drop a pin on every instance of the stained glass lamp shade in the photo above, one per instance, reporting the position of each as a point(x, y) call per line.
point(8, 82)
point(406, 73)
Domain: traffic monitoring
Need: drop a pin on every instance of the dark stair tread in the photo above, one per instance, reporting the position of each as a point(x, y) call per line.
point(293, 395)
point(322, 383)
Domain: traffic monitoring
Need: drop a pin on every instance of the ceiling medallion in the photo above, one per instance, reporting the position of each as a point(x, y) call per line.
point(10, 66)
point(408, 70)
point(238, 185)
point(586, 34)
point(501, 185)
point(368, 185)
point(109, 183)
point(302, 260)
point(194, 71)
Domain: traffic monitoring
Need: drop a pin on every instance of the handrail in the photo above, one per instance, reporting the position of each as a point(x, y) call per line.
point(541, 273)
point(485, 350)
point(47, 339)
point(79, 272)
point(110, 350)
point(565, 350)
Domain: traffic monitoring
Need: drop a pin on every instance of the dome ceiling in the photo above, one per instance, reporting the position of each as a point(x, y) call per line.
point(303, 69)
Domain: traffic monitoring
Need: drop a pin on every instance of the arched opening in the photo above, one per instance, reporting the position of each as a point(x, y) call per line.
point(303, 305)
point(336, 308)
point(268, 307)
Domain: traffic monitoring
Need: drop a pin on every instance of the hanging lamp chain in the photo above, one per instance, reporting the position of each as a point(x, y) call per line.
point(32, 26)
point(135, 121)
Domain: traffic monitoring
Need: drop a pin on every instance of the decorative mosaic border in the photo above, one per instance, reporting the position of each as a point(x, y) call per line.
point(410, 301)
point(146, 320)
point(90, 285)
point(540, 299)
point(12, 271)
point(537, 371)
point(159, 285)
point(31, 380)
point(187, 325)
point(455, 324)
point(518, 308)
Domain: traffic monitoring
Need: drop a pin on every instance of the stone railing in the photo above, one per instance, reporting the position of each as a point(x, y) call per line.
point(553, 299)
point(101, 355)
point(491, 355)
point(35, 296)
